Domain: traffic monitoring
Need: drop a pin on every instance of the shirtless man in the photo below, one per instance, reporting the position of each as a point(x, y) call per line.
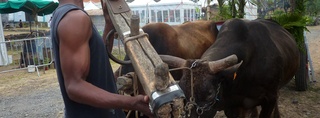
point(84, 72)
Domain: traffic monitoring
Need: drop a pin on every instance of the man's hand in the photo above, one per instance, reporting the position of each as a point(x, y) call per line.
point(142, 104)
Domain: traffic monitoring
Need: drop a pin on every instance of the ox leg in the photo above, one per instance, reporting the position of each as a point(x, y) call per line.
point(276, 113)
point(267, 108)
point(248, 113)
point(242, 113)
point(232, 112)
point(254, 112)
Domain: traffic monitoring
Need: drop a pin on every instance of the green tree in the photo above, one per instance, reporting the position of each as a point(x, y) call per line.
point(312, 7)
point(221, 3)
point(296, 24)
point(232, 8)
point(266, 6)
point(241, 6)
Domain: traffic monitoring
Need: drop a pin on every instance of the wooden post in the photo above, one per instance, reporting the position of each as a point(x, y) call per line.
point(134, 29)
point(208, 9)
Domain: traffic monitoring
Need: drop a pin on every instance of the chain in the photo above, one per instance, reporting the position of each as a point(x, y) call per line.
point(192, 103)
point(194, 64)
point(208, 106)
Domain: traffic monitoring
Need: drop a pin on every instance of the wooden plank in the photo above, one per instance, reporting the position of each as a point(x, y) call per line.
point(120, 21)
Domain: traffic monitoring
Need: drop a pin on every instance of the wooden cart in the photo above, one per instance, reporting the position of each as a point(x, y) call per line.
point(166, 97)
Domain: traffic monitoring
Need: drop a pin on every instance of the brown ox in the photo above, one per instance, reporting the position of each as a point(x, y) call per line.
point(188, 41)
point(267, 57)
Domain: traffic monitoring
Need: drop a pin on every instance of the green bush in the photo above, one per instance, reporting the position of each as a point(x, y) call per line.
point(224, 14)
point(295, 23)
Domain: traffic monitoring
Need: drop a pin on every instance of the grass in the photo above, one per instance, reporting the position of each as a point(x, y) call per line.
point(119, 54)
point(13, 33)
point(21, 30)
point(11, 52)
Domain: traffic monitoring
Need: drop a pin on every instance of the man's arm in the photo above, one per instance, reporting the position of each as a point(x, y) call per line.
point(74, 33)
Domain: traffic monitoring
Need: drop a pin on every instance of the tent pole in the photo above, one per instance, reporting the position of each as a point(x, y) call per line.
point(36, 23)
point(31, 16)
point(3, 49)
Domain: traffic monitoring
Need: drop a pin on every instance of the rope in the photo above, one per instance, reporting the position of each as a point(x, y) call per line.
point(135, 92)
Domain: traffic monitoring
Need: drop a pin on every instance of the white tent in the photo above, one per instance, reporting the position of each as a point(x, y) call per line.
point(169, 2)
point(3, 48)
point(141, 3)
point(90, 6)
point(172, 12)
point(250, 11)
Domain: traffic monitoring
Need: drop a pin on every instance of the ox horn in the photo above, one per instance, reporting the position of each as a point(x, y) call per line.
point(219, 65)
point(173, 61)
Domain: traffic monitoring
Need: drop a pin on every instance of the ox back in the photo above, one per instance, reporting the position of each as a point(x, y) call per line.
point(270, 59)
point(188, 40)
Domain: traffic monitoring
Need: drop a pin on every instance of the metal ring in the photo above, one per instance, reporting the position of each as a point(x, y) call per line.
point(192, 99)
point(113, 58)
point(199, 111)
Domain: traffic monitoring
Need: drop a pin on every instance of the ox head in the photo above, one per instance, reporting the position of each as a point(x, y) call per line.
point(201, 80)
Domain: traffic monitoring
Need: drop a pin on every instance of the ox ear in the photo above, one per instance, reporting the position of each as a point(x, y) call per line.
point(231, 72)
point(234, 68)
point(173, 61)
point(222, 64)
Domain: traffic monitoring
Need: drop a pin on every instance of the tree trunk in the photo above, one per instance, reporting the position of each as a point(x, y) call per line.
point(242, 4)
point(220, 2)
point(233, 8)
point(293, 5)
point(301, 76)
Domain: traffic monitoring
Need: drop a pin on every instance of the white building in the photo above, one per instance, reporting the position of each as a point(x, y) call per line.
point(172, 12)
point(16, 17)
point(251, 12)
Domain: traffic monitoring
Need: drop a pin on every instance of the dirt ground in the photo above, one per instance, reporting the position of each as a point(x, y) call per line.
point(24, 94)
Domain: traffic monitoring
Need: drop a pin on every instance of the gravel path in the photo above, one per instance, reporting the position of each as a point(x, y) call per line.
point(28, 96)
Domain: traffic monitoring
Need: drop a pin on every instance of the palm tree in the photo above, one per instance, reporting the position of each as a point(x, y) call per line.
point(301, 79)
point(241, 5)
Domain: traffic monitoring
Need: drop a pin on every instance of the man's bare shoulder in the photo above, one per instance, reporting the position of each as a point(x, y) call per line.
point(75, 25)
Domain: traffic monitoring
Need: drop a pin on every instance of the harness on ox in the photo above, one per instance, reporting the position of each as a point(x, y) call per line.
point(192, 102)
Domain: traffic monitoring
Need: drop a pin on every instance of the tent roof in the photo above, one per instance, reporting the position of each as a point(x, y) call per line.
point(95, 12)
point(138, 3)
point(39, 7)
point(174, 2)
point(90, 6)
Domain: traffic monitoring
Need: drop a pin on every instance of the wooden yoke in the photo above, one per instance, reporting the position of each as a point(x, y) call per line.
point(166, 97)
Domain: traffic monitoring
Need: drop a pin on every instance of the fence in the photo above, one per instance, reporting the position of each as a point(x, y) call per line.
point(31, 54)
